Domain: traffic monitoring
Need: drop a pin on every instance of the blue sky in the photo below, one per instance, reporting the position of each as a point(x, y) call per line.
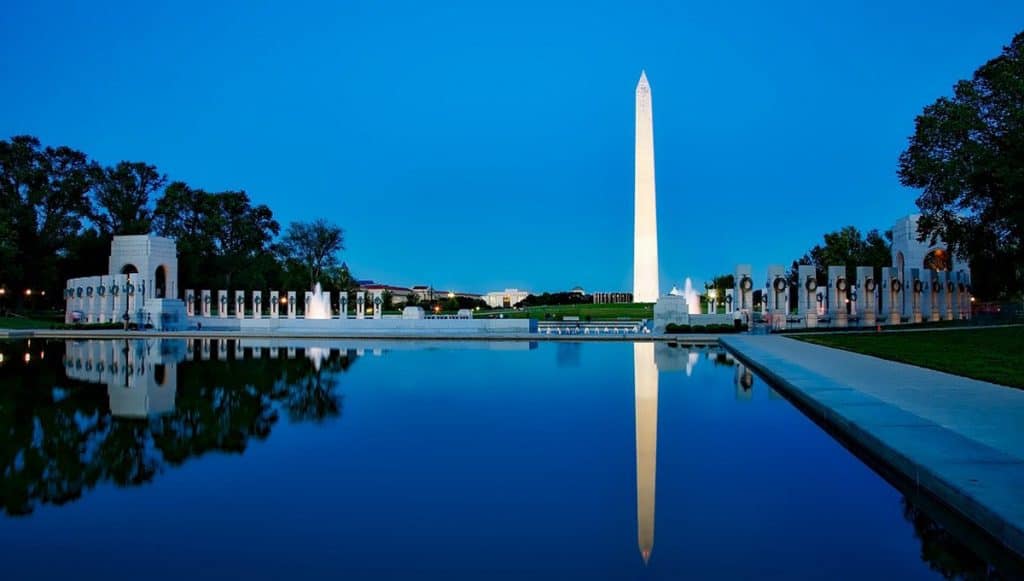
point(478, 145)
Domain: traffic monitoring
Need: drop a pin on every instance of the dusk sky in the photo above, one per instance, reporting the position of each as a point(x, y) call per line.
point(479, 146)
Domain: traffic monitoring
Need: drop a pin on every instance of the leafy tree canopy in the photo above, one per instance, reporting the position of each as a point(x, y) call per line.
point(967, 157)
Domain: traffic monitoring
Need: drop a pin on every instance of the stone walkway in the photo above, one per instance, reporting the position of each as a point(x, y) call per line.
point(961, 439)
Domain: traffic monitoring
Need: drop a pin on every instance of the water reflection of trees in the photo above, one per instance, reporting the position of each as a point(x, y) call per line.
point(58, 438)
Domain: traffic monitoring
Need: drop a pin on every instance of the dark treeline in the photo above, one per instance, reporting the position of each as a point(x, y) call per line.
point(59, 211)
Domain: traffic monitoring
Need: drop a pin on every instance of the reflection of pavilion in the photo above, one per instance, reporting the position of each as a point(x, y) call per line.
point(140, 375)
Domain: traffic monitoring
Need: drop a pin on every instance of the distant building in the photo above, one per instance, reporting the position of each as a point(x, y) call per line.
point(424, 292)
point(578, 290)
point(606, 298)
point(504, 299)
point(400, 295)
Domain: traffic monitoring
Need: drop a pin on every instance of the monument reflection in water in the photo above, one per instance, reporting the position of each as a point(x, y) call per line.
point(737, 464)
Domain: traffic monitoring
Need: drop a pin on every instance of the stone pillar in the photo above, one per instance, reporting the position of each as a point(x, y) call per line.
point(257, 304)
point(934, 288)
point(962, 295)
point(327, 301)
point(239, 304)
point(307, 298)
point(360, 305)
point(378, 304)
point(730, 298)
point(950, 293)
point(343, 305)
point(190, 302)
point(838, 288)
point(117, 302)
point(292, 307)
point(892, 301)
point(205, 303)
point(807, 292)
point(916, 295)
point(744, 289)
point(222, 304)
point(867, 293)
point(778, 288)
point(275, 304)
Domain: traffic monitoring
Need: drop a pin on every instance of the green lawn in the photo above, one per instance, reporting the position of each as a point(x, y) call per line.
point(609, 312)
point(29, 322)
point(989, 354)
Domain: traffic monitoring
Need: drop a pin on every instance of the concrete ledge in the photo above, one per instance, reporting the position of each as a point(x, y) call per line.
point(983, 484)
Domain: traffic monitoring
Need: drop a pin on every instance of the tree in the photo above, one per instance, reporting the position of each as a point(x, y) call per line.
point(847, 247)
point(967, 155)
point(242, 237)
point(191, 217)
point(43, 201)
point(122, 197)
point(315, 245)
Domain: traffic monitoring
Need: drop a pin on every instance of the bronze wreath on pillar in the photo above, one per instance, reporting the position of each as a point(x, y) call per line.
point(841, 283)
point(918, 286)
point(896, 285)
point(869, 285)
point(746, 284)
point(811, 285)
point(780, 284)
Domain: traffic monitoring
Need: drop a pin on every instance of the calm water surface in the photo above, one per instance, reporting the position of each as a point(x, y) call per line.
point(215, 459)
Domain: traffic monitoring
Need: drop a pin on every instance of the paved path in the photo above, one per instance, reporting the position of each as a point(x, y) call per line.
point(961, 439)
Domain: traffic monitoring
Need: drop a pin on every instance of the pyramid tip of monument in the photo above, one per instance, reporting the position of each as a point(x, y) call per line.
point(643, 75)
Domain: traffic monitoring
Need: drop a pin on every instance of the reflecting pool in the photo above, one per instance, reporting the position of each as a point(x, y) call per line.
point(408, 460)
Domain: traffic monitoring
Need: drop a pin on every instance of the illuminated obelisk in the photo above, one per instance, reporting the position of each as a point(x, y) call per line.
point(645, 389)
point(645, 216)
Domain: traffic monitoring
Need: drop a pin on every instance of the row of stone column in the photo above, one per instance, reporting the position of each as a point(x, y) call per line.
point(276, 306)
point(206, 349)
point(104, 299)
point(927, 295)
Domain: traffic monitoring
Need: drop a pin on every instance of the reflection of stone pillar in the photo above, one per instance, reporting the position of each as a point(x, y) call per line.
point(190, 302)
point(239, 304)
point(204, 349)
point(275, 304)
point(257, 352)
point(291, 352)
point(257, 304)
point(239, 349)
point(744, 382)
point(292, 307)
point(360, 305)
point(222, 304)
point(645, 392)
point(222, 349)
point(838, 289)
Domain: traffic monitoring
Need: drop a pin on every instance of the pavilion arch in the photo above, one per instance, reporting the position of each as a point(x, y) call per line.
point(129, 268)
point(938, 260)
point(160, 282)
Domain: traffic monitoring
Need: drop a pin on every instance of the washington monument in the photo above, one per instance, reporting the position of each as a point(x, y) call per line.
point(645, 216)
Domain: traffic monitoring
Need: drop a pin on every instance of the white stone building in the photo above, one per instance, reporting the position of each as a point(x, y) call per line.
point(909, 254)
point(141, 284)
point(506, 298)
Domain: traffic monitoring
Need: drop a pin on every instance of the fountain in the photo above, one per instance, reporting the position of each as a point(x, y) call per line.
point(691, 296)
point(319, 306)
